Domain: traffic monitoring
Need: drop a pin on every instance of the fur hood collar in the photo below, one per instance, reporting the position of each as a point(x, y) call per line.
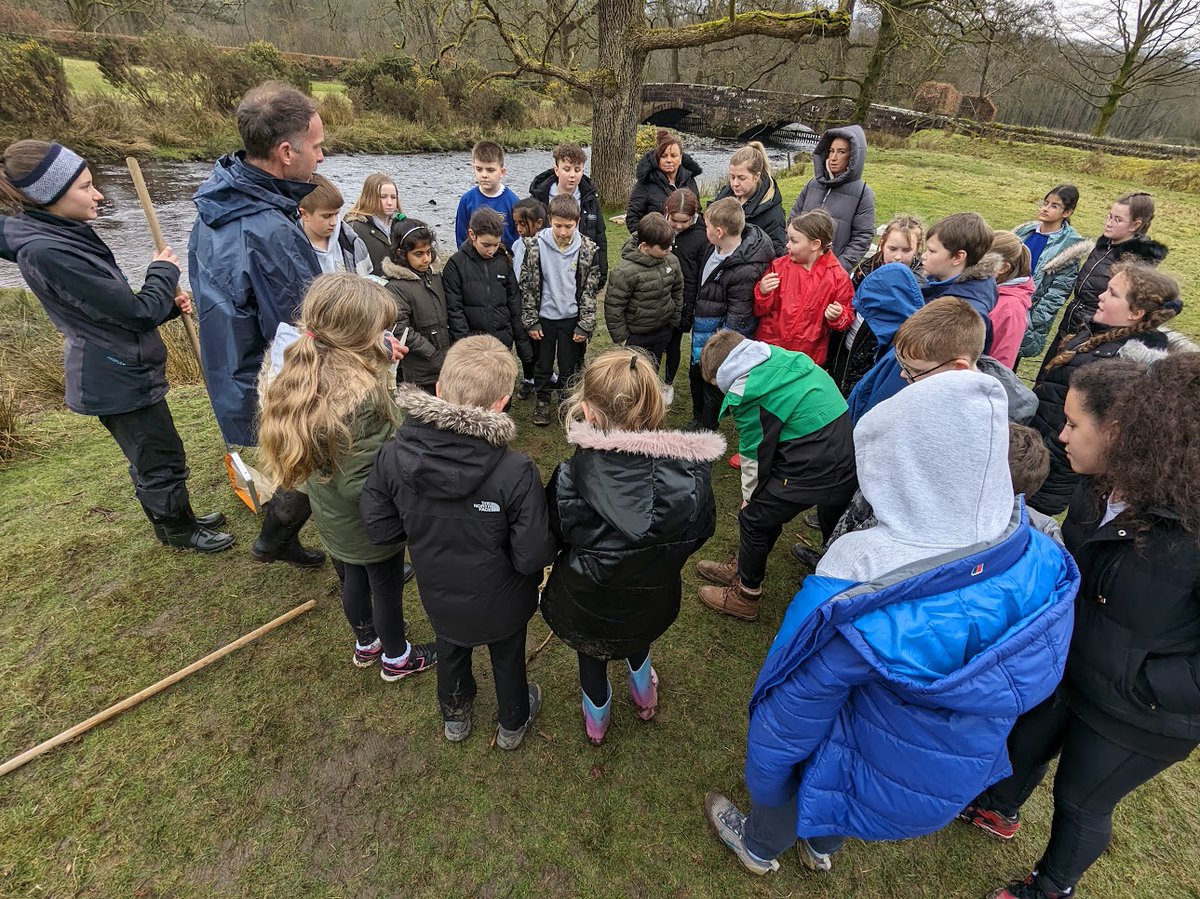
point(496, 428)
point(693, 446)
point(404, 273)
point(1076, 252)
point(1139, 351)
point(984, 268)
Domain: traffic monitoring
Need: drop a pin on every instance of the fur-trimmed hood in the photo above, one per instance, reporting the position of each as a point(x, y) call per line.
point(693, 446)
point(1146, 354)
point(984, 268)
point(497, 428)
point(404, 273)
point(1076, 252)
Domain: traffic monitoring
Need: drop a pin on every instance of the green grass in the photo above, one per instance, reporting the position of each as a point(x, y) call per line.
point(83, 76)
point(282, 771)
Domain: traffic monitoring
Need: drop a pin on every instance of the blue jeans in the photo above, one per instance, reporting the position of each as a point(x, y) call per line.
point(771, 831)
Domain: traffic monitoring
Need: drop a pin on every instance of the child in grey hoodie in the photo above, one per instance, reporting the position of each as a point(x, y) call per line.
point(560, 277)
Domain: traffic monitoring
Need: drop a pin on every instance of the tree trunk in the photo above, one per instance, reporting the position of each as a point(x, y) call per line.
point(616, 99)
point(885, 41)
point(1116, 93)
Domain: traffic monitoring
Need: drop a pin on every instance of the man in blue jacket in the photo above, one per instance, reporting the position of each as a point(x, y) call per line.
point(250, 264)
point(886, 699)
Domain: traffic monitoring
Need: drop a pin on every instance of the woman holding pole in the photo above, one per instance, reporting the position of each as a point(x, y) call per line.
point(115, 360)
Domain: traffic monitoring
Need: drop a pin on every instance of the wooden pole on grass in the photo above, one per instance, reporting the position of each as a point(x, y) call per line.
point(125, 704)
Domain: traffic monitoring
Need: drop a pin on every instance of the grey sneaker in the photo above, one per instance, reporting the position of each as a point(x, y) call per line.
point(729, 824)
point(541, 414)
point(511, 739)
point(458, 728)
point(810, 858)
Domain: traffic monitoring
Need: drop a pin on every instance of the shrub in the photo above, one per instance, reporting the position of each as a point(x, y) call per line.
point(117, 63)
point(33, 83)
point(435, 107)
point(386, 83)
point(336, 110)
point(460, 81)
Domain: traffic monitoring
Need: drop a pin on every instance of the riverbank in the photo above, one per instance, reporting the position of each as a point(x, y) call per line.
point(107, 126)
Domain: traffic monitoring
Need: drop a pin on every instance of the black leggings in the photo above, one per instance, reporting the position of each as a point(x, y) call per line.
point(674, 354)
point(382, 618)
point(593, 674)
point(1094, 774)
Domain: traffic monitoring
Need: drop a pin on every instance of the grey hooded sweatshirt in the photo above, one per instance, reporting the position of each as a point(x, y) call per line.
point(845, 197)
point(558, 275)
point(933, 464)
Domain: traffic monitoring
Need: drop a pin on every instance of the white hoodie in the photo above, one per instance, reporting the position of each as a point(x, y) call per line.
point(933, 464)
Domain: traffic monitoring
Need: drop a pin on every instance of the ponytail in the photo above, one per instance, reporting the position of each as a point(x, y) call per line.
point(622, 391)
point(754, 158)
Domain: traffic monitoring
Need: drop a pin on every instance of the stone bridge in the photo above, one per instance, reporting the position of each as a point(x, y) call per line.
point(726, 112)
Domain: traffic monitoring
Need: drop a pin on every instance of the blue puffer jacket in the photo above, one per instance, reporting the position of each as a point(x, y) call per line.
point(883, 708)
point(249, 263)
point(886, 299)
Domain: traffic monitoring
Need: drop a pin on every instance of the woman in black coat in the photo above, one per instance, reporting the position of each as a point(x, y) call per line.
point(1125, 237)
point(628, 509)
point(660, 173)
point(1129, 705)
point(116, 363)
point(1137, 302)
point(692, 249)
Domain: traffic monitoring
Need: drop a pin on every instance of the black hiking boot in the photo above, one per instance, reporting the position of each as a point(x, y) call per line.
point(182, 532)
point(277, 541)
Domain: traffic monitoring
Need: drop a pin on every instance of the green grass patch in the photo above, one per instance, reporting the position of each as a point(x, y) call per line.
point(283, 771)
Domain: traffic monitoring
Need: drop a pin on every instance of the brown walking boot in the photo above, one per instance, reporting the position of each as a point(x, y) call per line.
point(735, 600)
point(723, 573)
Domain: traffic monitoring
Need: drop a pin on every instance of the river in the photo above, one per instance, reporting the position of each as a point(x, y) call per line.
point(429, 185)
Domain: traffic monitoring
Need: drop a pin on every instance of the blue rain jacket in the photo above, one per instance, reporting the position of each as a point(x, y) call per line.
point(886, 299)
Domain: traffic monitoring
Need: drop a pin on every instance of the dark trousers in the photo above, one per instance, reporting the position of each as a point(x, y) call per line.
point(674, 354)
point(654, 343)
point(558, 342)
point(706, 399)
point(771, 831)
point(526, 354)
point(593, 674)
point(1094, 774)
point(761, 523)
point(373, 600)
point(456, 683)
point(157, 463)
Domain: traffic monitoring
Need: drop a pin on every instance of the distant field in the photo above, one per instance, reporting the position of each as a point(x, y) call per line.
point(84, 77)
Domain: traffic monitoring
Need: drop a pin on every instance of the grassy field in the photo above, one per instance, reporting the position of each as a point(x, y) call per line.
point(283, 771)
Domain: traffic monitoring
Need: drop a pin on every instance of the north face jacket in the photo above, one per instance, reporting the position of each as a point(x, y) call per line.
point(628, 509)
point(473, 513)
point(250, 263)
point(482, 296)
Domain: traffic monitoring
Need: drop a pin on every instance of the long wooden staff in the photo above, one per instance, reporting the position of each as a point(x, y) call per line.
point(125, 704)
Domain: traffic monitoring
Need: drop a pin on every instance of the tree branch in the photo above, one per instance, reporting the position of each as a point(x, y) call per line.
point(784, 26)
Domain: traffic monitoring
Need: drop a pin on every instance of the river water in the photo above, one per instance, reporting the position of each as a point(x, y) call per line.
point(429, 185)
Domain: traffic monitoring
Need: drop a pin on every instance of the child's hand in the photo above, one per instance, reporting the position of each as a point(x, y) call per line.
point(769, 282)
point(579, 338)
point(166, 254)
point(184, 302)
point(833, 312)
point(535, 335)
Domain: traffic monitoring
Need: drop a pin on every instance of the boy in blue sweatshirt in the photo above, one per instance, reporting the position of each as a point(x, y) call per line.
point(487, 160)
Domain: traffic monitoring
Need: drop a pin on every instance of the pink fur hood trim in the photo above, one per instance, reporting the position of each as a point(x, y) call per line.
point(693, 446)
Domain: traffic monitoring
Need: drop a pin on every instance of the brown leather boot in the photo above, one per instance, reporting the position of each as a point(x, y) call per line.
point(723, 573)
point(735, 600)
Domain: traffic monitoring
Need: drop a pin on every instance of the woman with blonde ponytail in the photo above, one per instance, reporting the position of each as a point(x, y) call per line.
point(1128, 324)
point(324, 417)
point(753, 186)
point(116, 364)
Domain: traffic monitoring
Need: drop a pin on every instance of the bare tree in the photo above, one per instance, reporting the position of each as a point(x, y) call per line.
point(625, 40)
point(1155, 43)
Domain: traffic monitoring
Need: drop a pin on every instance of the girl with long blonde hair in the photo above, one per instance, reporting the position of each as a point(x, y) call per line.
point(324, 417)
point(628, 509)
point(371, 216)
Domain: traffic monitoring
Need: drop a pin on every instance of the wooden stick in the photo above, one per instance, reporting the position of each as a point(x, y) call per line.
point(533, 655)
point(125, 704)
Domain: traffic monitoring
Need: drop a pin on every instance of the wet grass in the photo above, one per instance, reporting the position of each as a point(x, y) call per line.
point(283, 771)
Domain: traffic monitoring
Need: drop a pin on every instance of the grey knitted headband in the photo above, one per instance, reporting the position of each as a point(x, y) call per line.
point(51, 178)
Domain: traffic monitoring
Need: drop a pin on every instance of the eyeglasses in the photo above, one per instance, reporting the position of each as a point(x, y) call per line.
point(911, 376)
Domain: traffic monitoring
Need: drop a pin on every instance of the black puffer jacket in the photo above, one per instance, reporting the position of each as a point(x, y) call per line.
point(629, 508)
point(473, 513)
point(692, 249)
point(377, 240)
point(591, 216)
point(652, 188)
point(420, 307)
point(1051, 390)
point(1094, 275)
point(1134, 664)
point(482, 296)
point(764, 208)
point(114, 359)
point(726, 299)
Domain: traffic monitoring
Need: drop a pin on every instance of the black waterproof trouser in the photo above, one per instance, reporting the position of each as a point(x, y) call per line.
point(558, 342)
point(456, 683)
point(157, 463)
point(761, 522)
point(706, 399)
point(1094, 774)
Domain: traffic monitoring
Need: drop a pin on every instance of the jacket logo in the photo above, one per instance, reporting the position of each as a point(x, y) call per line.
point(668, 269)
point(977, 570)
point(487, 507)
